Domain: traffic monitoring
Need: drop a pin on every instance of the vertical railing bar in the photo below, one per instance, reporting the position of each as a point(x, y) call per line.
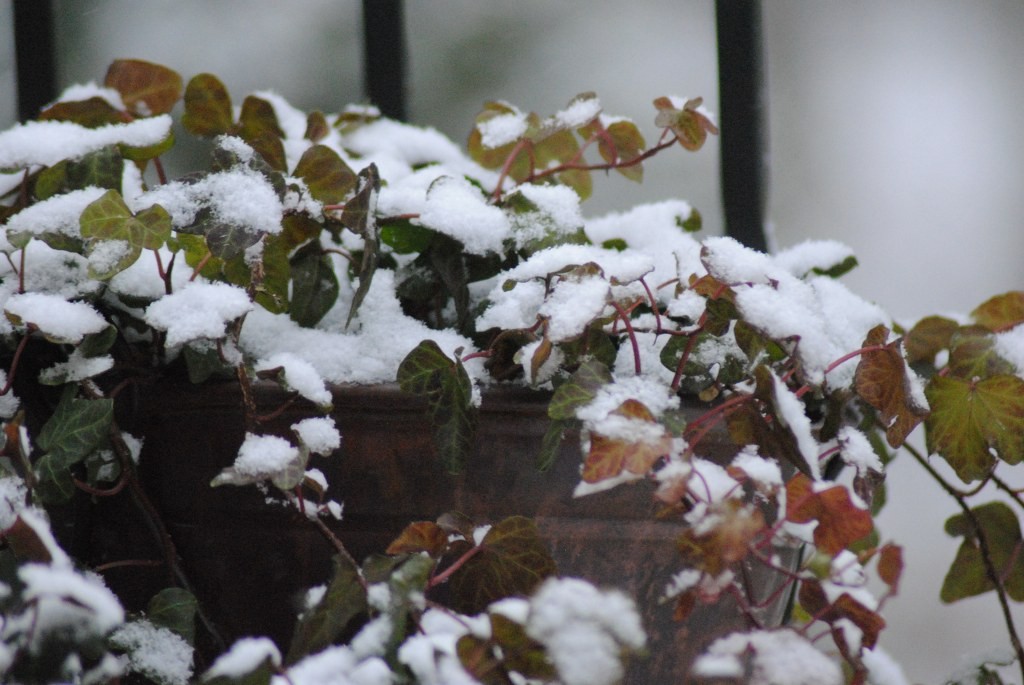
point(35, 56)
point(742, 121)
point(384, 56)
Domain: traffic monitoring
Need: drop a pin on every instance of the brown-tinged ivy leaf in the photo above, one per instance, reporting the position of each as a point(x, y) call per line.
point(26, 543)
point(521, 653)
point(928, 337)
point(359, 216)
point(890, 566)
point(972, 354)
point(540, 355)
point(207, 107)
point(726, 542)
point(456, 523)
point(91, 113)
point(629, 145)
point(326, 175)
point(840, 521)
point(968, 576)
point(482, 660)
point(870, 622)
point(317, 127)
point(689, 124)
point(420, 536)
point(1001, 312)
point(973, 422)
point(145, 88)
point(258, 126)
point(512, 561)
point(610, 456)
point(883, 381)
point(344, 600)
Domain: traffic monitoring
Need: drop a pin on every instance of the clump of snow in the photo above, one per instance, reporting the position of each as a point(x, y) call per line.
point(457, 208)
point(55, 317)
point(9, 403)
point(155, 652)
point(780, 657)
point(580, 112)
point(84, 91)
point(77, 367)
point(856, 450)
point(803, 258)
point(503, 129)
point(58, 214)
point(201, 310)
point(299, 375)
point(244, 656)
point(336, 665)
point(13, 494)
point(584, 629)
point(44, 143)
point(264, 455)
point(318, 434)
point(765, 472)
point(67, 603)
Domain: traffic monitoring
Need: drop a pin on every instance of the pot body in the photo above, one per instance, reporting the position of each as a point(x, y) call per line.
point(250, 561)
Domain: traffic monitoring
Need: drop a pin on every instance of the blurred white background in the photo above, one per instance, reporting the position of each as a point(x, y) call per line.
point(895, 127)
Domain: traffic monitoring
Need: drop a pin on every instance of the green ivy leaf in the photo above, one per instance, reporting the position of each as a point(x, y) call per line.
point(690, 126)
point(321, 626)
point(96, 344)
point(141, 153)
point(207, 107)
point(106, 218)
point(228, 242)
point(151, 229)
point(145, 88)
point(54, 484)
point(175, 608)
point(101, 168)
point(512, 560)
point(928, 337)
point(579, 391)
point(314, 285)
point(974, 421)
point(405, 237)
point(326, 175)
point(76, 428)
point(968, 577)
point(838, 269)
point(426, 371)
point(972, 354)
point(551, 443)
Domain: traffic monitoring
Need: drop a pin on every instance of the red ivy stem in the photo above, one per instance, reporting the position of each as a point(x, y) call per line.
point(654, 304)
point(647, 154)
point(986, 552)
point(127, 562)
point(14, 361)
point(98, 492)
point(456, 565)
point(804, 389)
point(506, 168)
point(632, 336)
point(159, 166)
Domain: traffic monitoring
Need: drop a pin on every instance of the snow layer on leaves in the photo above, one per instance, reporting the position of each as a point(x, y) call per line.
point(9, 403)
point(55, 317)
point(299, 375)
point(779, 657)
point(84, 91)
point(77, 367)
point(370, 354)
point(12, 500)
point(198, 311)
point(336, 665)
point(764, 472)
point(44, 143)
point(263, 455)
point(155, 651)
point(244, 656)
point(69, 602)
point(318, 434)
point(238, 197)
point(802, 258)
point(572, 304)
point(503, 129)
point(821, 317)
point(558, 213)
point(791, 413)
point(457, 208)
point(57, 214)
point(579, 113)
point(431, 654)
point(857, 452)
point(584, 629)
point(883, 669)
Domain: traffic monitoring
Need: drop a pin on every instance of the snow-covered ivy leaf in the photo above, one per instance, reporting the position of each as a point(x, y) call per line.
point(326, 175)
point(101, 168)
point(840, 521)
point(145, 88)
point(974, 422)
point(321, 625)
point(174, 608)
point(207, 107)
point(882, 380)
point(968, 576)
point(844, 608)
point(714, 549)
point(420, 536)
point(76, 428)
point(635, 449)
point(1001, 312)
point(249, 661)
point(92, 112)
point(512, 560)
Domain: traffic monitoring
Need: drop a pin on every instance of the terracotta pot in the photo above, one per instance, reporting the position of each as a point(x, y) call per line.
point(250, 561)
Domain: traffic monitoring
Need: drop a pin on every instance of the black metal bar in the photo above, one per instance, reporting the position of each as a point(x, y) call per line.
point(742, 121)
point(34, 50)
point(384, 56)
